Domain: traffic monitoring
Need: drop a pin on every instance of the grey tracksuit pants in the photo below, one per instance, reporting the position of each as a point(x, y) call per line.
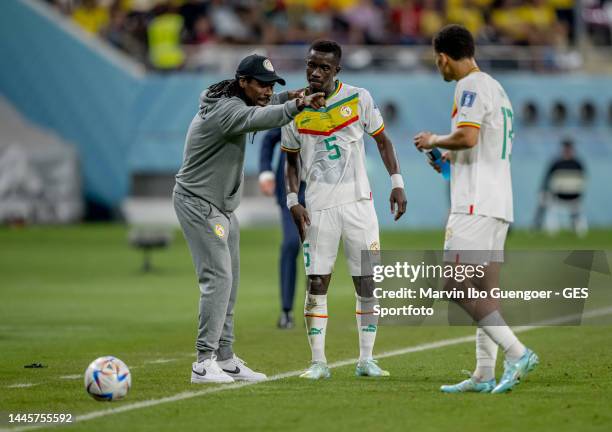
point(213, 239)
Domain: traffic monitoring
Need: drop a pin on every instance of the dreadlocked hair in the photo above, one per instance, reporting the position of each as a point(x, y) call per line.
point(226, 88)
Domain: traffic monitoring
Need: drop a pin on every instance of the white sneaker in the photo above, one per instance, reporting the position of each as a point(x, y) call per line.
point(208, 371)
point(237, 369)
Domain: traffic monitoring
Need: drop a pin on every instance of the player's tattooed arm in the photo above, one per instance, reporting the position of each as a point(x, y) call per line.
point(397, 199)
point(462, 139)
point(292, 181)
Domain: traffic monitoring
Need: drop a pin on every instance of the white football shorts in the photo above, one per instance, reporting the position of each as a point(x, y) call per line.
point(356, 223)
point(474, 239)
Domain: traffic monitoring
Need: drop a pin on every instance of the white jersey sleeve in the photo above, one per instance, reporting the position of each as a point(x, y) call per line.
point(472, 103)
point(370, 115)
point(290, 141)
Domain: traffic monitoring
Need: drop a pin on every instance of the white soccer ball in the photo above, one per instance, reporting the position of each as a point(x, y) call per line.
point(107, 379)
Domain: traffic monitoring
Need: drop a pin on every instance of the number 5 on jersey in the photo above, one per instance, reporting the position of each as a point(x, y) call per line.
point(306, 254)
point(332, 148)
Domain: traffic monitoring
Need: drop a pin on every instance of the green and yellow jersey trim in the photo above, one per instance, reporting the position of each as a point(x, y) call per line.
point(379, 130)
point(334, 105)
point(327, 120)
point(336, 90)
point(289, 150)
point(468, 124)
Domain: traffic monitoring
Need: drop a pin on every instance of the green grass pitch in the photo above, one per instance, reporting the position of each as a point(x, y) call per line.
point(69, 295)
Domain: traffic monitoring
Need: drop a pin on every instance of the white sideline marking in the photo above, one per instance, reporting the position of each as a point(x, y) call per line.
point(80, 376)
point(161, 361)
point(22, 385)
point(71, 377)
point(408, 350)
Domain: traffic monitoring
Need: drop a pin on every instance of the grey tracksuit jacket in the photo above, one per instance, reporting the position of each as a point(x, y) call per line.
point(213, 158)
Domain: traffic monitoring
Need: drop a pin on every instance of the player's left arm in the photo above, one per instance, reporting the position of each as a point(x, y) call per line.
point(397, 199)
point(465, 137)
point(472, 103)
point(375, 127)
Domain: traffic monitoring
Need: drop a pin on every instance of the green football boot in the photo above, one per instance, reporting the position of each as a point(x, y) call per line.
point(469, 385)
point(317, 370)
point(514, 372)
point(370, 368)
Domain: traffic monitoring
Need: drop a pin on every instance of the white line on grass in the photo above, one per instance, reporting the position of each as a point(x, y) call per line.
point(79, 376)
point(408, 350)
point(22, 385)
point(161, 361)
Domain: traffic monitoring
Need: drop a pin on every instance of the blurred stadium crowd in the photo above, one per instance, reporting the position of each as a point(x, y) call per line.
point(163, 33)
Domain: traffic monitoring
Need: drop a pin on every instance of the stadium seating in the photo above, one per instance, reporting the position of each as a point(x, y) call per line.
point(140, 129)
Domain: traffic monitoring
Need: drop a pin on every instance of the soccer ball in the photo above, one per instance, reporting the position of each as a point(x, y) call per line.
point(107, 379)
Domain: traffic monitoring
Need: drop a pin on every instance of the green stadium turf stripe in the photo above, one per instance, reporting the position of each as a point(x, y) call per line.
point(408, 350)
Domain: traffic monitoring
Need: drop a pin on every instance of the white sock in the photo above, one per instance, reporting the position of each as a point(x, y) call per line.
point(497, 329)
point(315, 316)
point(367, 325)
point(486, 355)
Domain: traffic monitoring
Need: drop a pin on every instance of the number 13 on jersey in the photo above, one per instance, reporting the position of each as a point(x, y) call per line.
point(508, 132)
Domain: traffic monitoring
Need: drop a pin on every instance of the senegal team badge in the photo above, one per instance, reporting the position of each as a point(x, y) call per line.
point(219, 230)
point(346, 111)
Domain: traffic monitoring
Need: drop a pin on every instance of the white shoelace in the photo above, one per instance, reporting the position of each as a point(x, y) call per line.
point(213, 366)
point(239, 360)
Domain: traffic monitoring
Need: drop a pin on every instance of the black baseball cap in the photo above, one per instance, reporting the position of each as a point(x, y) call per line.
point(258, 67)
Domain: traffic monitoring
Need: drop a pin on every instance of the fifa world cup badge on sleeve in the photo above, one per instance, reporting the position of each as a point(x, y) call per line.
point(467, 99)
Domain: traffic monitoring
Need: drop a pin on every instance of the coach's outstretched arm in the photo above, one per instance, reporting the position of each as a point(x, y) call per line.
point(397, 199)
point(239, 118)
point(292, 181)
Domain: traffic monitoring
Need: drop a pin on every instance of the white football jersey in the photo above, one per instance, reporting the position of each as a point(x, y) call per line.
point(330, 142)
point(481, 183)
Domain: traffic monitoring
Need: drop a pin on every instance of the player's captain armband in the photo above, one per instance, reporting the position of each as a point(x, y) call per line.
point(467, 99)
